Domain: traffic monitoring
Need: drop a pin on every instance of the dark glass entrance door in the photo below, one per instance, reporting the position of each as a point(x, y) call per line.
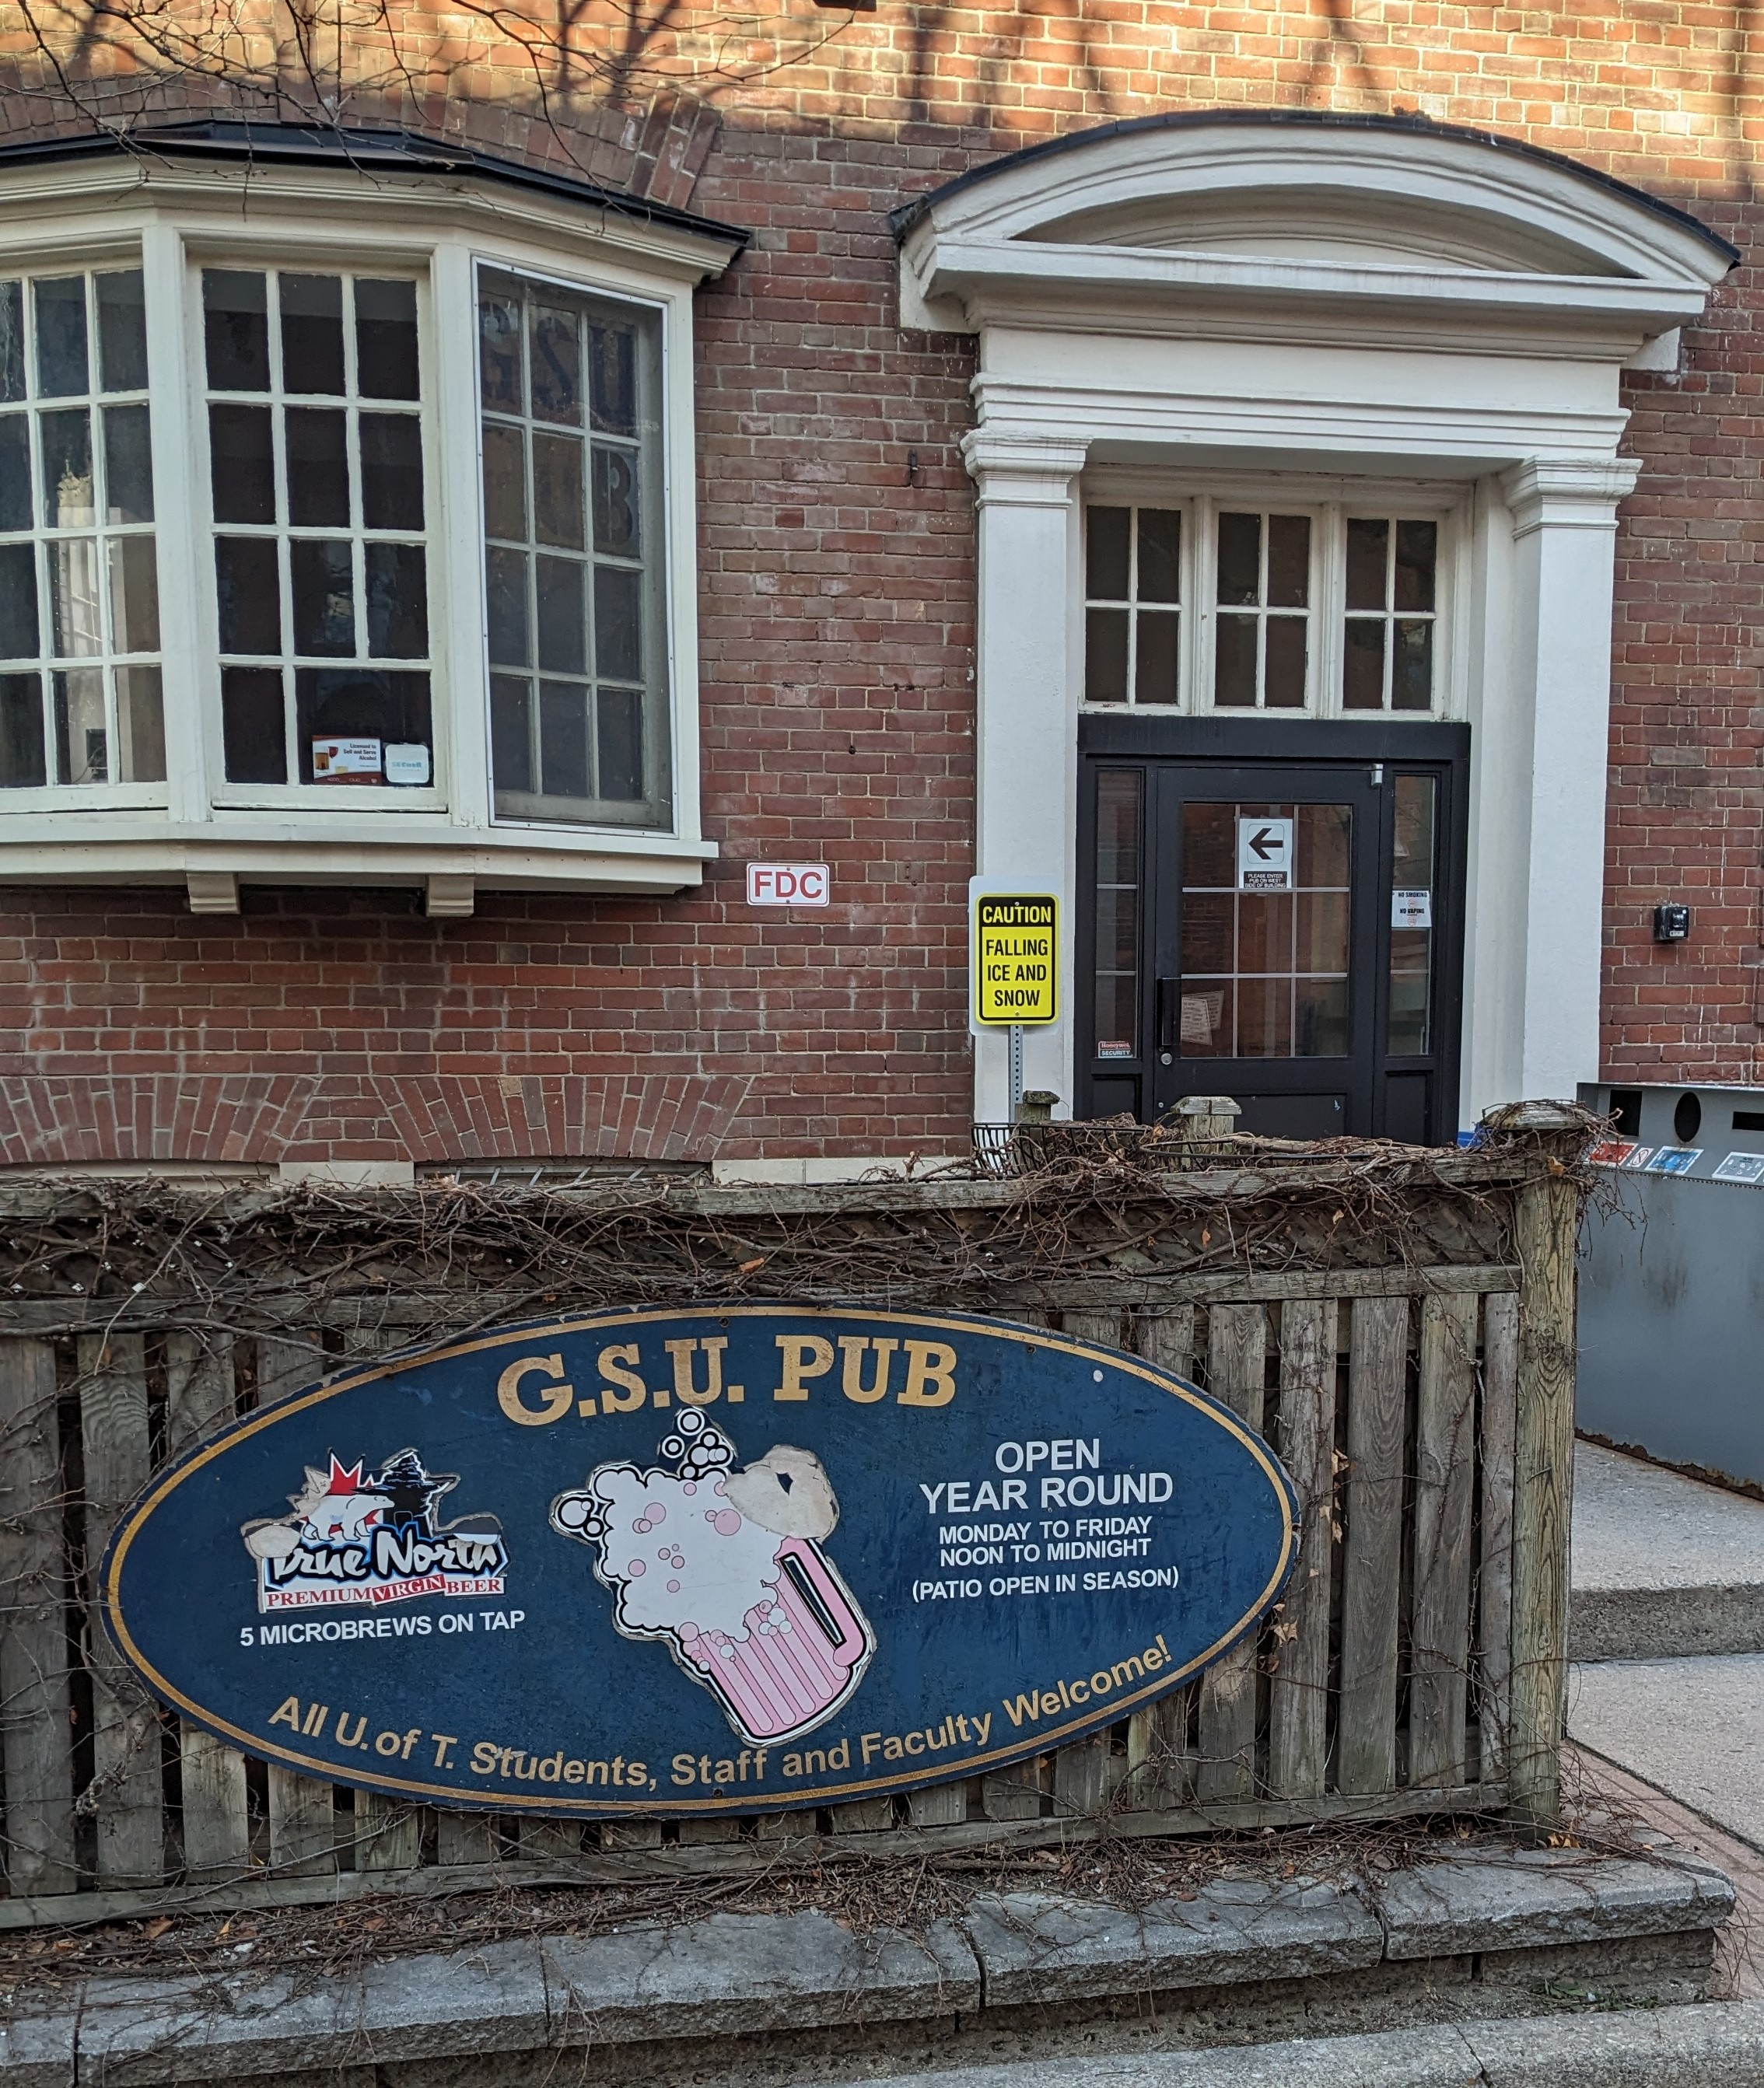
point(1285, 928)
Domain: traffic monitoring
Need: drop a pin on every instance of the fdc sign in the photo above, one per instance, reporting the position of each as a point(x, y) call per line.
point(1015, 938)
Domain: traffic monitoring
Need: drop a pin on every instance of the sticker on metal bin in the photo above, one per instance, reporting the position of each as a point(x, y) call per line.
point(1670, 1160)
point(1741, 1168)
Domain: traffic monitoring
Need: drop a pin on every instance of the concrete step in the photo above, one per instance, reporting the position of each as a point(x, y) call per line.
point(1663, 1566)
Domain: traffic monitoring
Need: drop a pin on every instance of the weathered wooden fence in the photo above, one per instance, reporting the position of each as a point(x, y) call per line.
point(1398, 1325)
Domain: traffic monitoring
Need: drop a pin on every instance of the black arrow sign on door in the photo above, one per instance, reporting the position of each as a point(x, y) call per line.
point(1265, 843)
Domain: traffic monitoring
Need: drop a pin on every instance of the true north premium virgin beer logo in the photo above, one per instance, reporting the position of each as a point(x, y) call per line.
point(356, 1538)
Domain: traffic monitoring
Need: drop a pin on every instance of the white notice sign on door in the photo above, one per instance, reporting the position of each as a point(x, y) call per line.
point(1264, 855)
point(1412, 909)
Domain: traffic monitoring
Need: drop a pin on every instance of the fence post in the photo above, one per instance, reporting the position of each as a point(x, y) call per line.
point(1546, 1226)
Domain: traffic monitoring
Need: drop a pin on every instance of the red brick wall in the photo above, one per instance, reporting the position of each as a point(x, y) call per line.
point(835, 600)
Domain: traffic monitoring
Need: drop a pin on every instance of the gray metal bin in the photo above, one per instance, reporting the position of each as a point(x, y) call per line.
point(1671, 1279)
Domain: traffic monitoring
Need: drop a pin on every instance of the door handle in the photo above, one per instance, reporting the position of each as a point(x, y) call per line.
point(1168, 1001)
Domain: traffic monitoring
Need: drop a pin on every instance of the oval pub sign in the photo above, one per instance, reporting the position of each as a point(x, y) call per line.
point(735, 1559)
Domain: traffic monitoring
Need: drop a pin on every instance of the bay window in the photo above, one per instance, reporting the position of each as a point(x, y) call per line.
point(351, 543)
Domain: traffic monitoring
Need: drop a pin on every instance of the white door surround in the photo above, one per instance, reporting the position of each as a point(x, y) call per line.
point(1347, 297)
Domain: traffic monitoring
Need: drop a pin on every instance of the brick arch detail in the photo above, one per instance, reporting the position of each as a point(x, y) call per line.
point(47, 1121)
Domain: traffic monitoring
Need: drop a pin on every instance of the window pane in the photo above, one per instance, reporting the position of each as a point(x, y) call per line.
point(617, 624)
point(250, 597)
point(506, 577)
point(1288, 561)
point(12, 345)
point(1411, 681)
point(498, 351)
point(128, 464)
point(1105, 540)
point(312, 334)
point(1209, 847)
point(1368, 544)
point(511, 732)
point(1265, 1017)
point(562, 630)
point(612, 352)
point(1154, 669)
point(1105, 656)
point(1319, 1018)
point(391, 471)
point(1321, 932)
point(235, 331)
point(556, 374)
point(15, 509)
point(615, 503)
point(140, 725)
point(564, 739)
point(323, 579)
point(1160, 545)
point(1411, 939)
point(619, 716)
point(22, 763)
point(1286, 648)
point(1116, 1010)
point(1363, 670)
point(359, 704)
point(1323, 837)
point(121, 331)
point(557, 489)
point(1234, 677)
point(134, 595)
point(385, 351)
point(397, 602)
point(505, 482)
point(318, 467)
point(1417, 548)
point(61, 337)
point(1240, 558)
point(67, 495)
point(75, 614)
point(81, 741)
point(252, 733)
point(18, 601)
point(241, 464)
point(1209, 924)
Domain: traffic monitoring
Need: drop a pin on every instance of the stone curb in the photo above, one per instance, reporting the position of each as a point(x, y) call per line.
point(1666, 1624)
point(1707, 2044)
point(732, 1975)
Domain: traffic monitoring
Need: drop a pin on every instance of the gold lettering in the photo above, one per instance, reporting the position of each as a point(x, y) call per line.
point(611, 1363)
point(930, 1375)
point(851, 1383)
point(684, 1389)
point(797, 1350)
point(557, 1399)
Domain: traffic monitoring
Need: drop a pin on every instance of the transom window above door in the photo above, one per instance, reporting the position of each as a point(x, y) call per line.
point(1212, 604)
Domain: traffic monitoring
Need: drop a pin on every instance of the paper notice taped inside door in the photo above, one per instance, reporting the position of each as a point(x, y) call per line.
point(1200, 1013)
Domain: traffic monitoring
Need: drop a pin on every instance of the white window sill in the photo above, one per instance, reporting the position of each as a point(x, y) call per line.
point(449, 864)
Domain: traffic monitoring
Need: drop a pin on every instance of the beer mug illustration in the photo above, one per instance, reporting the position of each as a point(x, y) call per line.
point(725, 1566)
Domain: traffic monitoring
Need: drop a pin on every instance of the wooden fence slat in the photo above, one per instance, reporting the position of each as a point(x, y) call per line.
point(128, 1777)
point(1015, 1793)
point(216, 1816)
point(302, 1811)
point(1108, 1330)
point(1237, 1343)
point(1298, 1739)
point(465, 1837)
point(944, 1805)
point(1160, 1763)
point(1544, 1232)
point(1366, 1719)
point(34, 1729)
point(1494, 1587)
point(1446, 1461)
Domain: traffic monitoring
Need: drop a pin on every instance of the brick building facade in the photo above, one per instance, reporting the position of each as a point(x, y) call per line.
point(431, 1009)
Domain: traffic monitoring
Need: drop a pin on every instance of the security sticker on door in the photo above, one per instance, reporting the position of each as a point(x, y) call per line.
point(1264, 855)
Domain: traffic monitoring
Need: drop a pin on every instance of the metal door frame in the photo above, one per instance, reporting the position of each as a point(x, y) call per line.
point(1246, 745)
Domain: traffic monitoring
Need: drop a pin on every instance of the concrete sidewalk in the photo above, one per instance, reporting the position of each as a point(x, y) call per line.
point(1712, 2045)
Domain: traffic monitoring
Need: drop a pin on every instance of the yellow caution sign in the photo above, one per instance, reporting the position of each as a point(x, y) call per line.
point(1015, 938)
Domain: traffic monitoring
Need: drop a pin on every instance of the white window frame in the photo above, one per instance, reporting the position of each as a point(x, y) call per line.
point(1328, 502)
point(196, 827)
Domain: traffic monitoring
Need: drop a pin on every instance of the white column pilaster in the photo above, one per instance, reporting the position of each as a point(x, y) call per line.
point(1531, 1014)
point(1026, 743)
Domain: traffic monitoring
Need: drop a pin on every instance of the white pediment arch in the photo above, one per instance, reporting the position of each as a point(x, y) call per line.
point(1340, 225)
